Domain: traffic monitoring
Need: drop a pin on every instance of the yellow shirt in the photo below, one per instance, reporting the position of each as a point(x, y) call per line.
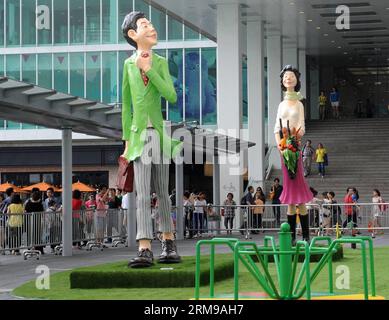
point(320, 152)
point(16, 215)
point(322, 100)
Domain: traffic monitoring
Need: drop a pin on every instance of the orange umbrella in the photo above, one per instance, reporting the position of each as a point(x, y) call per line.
point(5, 186)
point(42, 186)
point(81, 187)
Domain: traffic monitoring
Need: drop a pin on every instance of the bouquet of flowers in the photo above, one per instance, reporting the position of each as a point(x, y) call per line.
point(289, 144)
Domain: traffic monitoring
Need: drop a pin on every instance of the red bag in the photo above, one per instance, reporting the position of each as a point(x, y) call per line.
point(125, 178)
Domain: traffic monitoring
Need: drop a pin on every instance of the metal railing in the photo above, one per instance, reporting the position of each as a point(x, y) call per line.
point(95, 228)
point(34, 231)
point(322, 219)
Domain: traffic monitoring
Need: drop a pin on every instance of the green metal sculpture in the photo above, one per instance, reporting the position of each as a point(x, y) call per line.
point(285, 259)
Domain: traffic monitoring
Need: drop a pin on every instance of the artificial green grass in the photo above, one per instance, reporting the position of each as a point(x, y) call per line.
point(118, 275)
point(60, 286)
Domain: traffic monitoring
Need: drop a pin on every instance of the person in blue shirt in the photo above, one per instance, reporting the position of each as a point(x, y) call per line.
point(334, 99)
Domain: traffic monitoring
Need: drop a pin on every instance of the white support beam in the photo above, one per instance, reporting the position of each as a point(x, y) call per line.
point(256, 102)
point(229, 92)
point(67, 192)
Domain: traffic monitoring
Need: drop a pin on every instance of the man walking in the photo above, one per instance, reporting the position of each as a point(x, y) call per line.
point(308, 156)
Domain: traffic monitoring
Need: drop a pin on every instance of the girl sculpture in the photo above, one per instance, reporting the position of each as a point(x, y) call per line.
point(291, 112)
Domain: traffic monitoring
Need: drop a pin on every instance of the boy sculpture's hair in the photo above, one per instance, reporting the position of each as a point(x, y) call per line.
point(129, 23)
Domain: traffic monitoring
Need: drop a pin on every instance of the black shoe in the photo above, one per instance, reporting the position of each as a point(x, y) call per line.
point(143, 260)
point(169, 252)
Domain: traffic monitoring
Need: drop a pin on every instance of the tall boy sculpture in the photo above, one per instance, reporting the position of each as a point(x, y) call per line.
point(145, 79)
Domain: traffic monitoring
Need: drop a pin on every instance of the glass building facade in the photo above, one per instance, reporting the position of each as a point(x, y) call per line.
point(76, 47)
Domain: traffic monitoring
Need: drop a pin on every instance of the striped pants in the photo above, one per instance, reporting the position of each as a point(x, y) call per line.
point(151, 173)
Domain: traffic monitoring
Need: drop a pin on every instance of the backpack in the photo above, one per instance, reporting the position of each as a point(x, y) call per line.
point(243, 201)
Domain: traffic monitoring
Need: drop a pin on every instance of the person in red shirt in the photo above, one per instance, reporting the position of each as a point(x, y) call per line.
point(77, 206)
point(348, 209)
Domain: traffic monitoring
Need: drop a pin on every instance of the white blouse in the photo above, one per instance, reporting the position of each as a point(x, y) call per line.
point(295, 115)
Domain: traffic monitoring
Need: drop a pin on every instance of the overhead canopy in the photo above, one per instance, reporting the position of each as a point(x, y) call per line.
point(28, 103)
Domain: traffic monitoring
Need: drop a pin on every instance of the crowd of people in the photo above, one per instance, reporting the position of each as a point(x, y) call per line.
point(201, 219)
point(88, 209)
point(332, 110)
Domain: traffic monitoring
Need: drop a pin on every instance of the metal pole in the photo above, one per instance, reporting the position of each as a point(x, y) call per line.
point(285, 267)
point(179, 198)
point(216, 188)
point(131, 220)
point(67, 191)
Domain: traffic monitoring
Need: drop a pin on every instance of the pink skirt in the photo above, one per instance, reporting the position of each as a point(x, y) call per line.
point(295, 191)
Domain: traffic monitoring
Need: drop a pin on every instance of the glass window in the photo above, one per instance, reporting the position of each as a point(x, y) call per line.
point(244, 91)
point(93, 21)
point(190, 34)
point(174, 29)
point(48, 177)
point(13, 22)
point(44, 17)
point(142, 6)
point(13, 66)
point(192, 85)
point(123, 55)
point(1, 65)
point(10, 125)
point(176, 72)
point(109, 21)
point(45, 70)
point(109, 77)
point(2, 124)
point(61, 72)
point(76, 61)
point(1, 27)
point(158, 19)
point(208, 86)
point(60, 22)
point(35, 178)
point(28, 126)
point(76, 21)
point(93, 85)
point(28, 22)
point(125, 7)
point(29, 68)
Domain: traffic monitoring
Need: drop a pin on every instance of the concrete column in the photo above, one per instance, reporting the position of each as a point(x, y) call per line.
point(274, 66)
point(256, 103)
point(216, 186)
point(229, 93)
point(131, 220)
point(303, 70)
point(314, 90)
point(67, 192)
point(179, 199)
point(290, 56)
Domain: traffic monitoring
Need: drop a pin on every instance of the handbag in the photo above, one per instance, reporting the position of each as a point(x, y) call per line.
point(125, 177)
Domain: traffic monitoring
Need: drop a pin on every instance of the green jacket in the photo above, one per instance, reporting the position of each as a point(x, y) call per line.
point(146, 103)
